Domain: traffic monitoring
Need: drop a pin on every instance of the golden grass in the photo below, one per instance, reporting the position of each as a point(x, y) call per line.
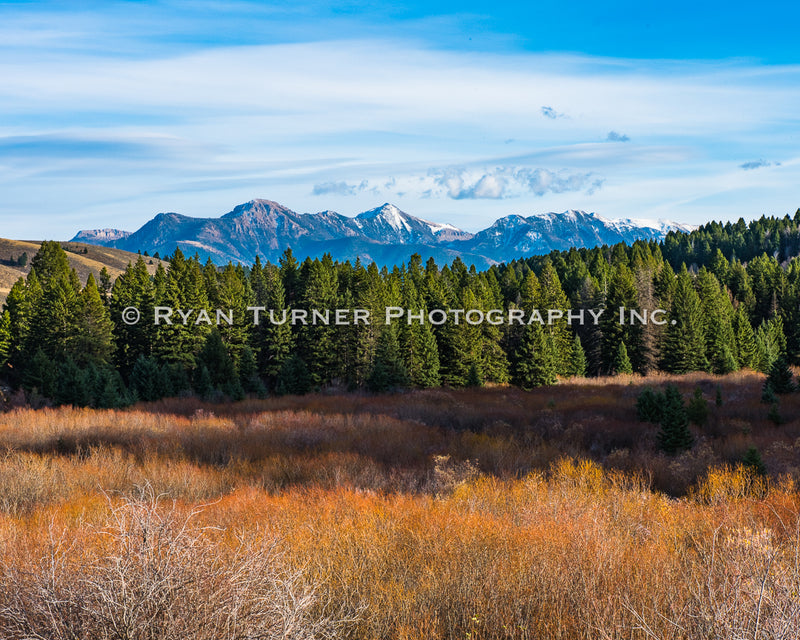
point(362, 517)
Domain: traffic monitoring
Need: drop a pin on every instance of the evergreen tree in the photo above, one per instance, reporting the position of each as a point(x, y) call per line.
point(273, 339)
point(774, 414)
point(718, 312)
point(222, 372)
point(73, 385)
point(780, 378)
point(621, 293)
point(674, 435)
point(146, 380)
point(202, 383)
point(5, 340)
point(111, 392)
point(697, 409)
point(388, 371)
point(746, 348)
point(293, 377)
point(233, 294)
point(460, 345)
point(649, 406)
point(53, 315)
point(577, 366)
point(104, 286)
point(474, 377)
point(93, 341)
point(552, 296)
point(536, 365)
point(316, 343)
point(41, 374)
point(684, 341)
point(427, 374)
point(248, 373)
point(19, 306)
point(770, 343)
point(133, 288)
point(622, 363)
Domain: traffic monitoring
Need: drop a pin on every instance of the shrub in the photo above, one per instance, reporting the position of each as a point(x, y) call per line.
point(649, 406)
point(780, 378)
point(697, 410)
point(674, 435)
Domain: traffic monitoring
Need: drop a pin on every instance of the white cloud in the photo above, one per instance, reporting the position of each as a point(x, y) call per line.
point(499, 183)
point(341, 120)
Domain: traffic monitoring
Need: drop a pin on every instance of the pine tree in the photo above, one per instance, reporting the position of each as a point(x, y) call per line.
point(110, 389)
point(622, 363)
point(41, 374)
point(293, 377)
point(202, 383)
point(316, 342)
point(388, 371)
point(104, 286)
point(770, 343)
point(559, 336)
point(780, 378)
point(674, 435)
point(697, 409)
point(718, 312)
point(53, 315)
point(650, 406)
point(273, 340)
point(5, 340)
point(577, 366)
point(73, 385)
point(93, 341)
point(621, 293)
point(248, 373)
point(215, 358)
point(146, 379)
point(474, 377)
point(536, 365)
point(684, 341)
point(134, 288)
point(746, 348)
point(19, 304)
point(427, 373)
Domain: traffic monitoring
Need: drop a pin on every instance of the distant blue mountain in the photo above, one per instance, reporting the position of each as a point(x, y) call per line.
point(384, 235)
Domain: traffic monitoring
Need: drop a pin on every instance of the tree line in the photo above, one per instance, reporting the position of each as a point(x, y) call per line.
point(731, 295)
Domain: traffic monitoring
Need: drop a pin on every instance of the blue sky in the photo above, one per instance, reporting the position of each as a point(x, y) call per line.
point(111, 112)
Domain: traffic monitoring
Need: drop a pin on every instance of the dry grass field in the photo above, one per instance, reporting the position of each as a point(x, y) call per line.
point(481, 514)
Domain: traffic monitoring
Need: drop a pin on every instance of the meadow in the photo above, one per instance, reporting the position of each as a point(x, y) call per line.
point(479, 513)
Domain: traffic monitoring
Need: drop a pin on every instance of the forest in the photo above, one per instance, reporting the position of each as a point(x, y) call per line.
point(731, 293)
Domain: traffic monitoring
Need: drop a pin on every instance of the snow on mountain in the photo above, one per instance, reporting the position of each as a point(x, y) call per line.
point(385, 235)
point(100, 236)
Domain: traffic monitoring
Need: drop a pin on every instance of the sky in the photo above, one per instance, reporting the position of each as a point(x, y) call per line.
point(458, 112)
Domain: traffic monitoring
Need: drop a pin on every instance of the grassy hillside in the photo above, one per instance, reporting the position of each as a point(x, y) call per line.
point(95, 258)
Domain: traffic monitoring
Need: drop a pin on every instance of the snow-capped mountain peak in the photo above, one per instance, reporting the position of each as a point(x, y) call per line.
point(385, 235)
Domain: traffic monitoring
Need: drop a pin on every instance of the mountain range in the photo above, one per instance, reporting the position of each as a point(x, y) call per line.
point(384, 235)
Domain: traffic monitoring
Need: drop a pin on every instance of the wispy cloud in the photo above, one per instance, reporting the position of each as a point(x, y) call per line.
point(758, 164)
point(96, 123)
point(503, 182)
point(614, 136)
point(549, 112)
point(338, 188)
